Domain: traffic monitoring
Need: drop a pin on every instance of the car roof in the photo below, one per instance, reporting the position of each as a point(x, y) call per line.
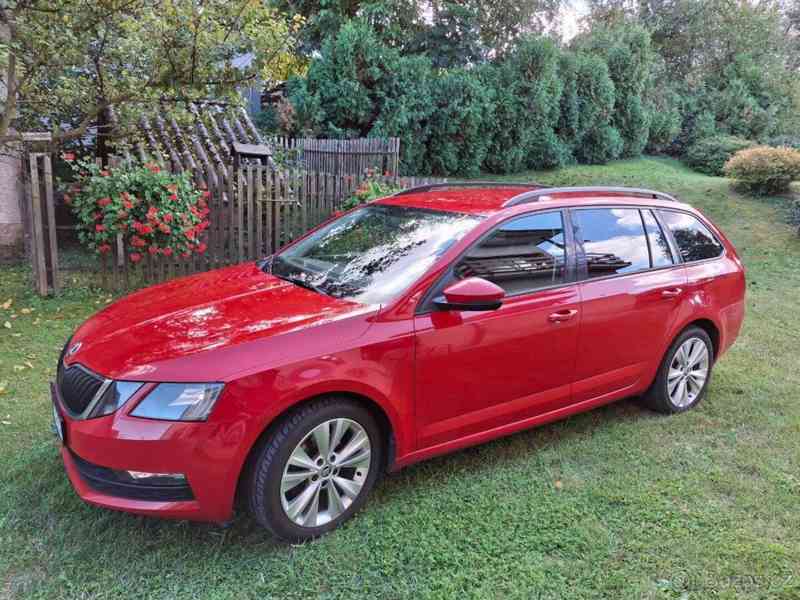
point(488, 199)
point(477, 200)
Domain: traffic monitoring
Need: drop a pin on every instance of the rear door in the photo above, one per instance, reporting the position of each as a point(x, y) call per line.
point(476, 371)
point(631, 289)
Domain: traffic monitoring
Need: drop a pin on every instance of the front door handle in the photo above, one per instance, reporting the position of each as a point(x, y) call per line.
point(562, 315)
point(673, 293)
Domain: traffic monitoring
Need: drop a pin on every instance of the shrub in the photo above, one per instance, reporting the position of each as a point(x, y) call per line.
point(360, 87)
point(462, 110)
point(597, 140)
point(764, 170)
point(527, 92)
point(626, 49)
point(709, 155)
point(157, 212)
point(788, 141)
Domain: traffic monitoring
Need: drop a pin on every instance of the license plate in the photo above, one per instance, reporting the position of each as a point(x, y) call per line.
point(58, 422)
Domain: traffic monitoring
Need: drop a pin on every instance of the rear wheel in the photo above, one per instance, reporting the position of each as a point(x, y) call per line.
point(684, 374)
point(315, 469)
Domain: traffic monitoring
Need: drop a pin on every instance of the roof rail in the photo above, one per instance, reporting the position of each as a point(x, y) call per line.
point(534, 195)
point(464, 184)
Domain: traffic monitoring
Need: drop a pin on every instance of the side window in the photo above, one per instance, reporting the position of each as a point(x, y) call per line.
point(520, 255)
point(613, 240)
point(694, 240)
point(660, 254)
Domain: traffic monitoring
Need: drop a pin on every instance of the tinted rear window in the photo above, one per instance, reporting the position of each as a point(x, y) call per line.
point(694, 240)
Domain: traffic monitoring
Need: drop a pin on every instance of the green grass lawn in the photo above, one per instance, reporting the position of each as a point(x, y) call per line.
point(616, 503)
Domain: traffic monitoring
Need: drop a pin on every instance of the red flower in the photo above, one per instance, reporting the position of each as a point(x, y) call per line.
point(168, 218)
point(104, 202)
point(153, 249)
point(135, 257)
point(186, 254)
point(201, 203)
point(67, 199)
point(201, 248)
point(98, 228)
point(153, 168)
point(145, 230)
point(127, 204)
point(206, 195)
point(104, 248)
point(104, 173)
point(173, 197)
point(167, 251)
point(68, 156)
point(137, 242)
point(189, 233)
point(164, 228)
point(152, 213)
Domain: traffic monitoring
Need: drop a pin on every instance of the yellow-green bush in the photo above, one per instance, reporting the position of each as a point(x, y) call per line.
point(763, 169)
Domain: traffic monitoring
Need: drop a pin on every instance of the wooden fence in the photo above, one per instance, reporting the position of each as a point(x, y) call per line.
point(343, 157)
point(254, 211)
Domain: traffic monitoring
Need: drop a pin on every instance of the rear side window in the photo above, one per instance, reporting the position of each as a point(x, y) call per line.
point(694, 240)
point(660, 254)
point(613, 240)
point(520, 255)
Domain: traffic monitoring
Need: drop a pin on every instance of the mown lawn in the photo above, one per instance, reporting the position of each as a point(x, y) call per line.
point(616, 503)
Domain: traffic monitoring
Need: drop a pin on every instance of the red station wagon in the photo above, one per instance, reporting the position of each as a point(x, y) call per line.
point(438, 318)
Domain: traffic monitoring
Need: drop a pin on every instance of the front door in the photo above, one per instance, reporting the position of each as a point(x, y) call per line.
point(479, 370)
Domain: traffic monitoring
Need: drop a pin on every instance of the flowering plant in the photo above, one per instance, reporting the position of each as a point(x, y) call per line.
point(156, 212)
point(373, 186)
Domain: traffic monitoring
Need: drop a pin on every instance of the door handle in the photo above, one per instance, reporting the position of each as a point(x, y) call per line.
point(673, 293)
point(562, 315)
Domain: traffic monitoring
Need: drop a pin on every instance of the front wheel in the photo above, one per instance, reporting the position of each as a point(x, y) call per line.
point(684, 374)
point(315, 469)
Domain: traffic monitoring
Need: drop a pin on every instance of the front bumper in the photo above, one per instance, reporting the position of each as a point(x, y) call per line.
point(209, 454)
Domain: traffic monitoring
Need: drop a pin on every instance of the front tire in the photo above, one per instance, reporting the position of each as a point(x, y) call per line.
point(683, 377)
point(315, 468)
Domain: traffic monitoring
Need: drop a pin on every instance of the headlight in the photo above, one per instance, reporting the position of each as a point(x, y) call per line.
point(179, 401)
point(117, 394)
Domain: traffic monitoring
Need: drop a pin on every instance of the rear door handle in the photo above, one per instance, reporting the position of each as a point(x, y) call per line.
point(562, 315)
point(673, 293)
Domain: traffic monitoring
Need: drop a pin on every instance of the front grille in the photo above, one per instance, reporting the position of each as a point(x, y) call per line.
point(77, 387)
point(119, 484)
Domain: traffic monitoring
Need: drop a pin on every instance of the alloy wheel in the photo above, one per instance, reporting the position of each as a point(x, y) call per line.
point(325, 472)
point(688, 372)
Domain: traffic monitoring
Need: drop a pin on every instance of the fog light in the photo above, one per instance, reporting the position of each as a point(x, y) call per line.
point(158, 478)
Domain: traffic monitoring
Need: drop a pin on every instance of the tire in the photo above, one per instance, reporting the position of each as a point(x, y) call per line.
point(658, 397)
point(282, 497)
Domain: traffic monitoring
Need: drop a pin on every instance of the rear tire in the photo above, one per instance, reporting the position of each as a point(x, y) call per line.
point(315, 468)
point(685, 372)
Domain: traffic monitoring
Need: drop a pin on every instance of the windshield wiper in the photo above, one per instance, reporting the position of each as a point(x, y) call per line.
point(303, 283)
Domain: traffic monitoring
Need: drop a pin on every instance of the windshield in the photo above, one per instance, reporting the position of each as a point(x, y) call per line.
point(372, 254)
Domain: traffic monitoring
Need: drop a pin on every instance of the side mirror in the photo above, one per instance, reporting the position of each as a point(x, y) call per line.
point(472, 293)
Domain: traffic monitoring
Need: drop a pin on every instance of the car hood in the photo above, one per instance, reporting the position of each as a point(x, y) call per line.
point(151, 334)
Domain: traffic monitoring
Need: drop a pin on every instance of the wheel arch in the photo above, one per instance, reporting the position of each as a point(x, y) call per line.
point(710, 328)
point(375, 409)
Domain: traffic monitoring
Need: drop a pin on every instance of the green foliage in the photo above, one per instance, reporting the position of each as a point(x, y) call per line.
point(596, 141)
point(764, 170)
point(66, 63)
point(463, 110)
point(788, 141)
point(155, 211)
point(627, 52)
point(527, 91)
point(359, 87)
point(709, 155)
